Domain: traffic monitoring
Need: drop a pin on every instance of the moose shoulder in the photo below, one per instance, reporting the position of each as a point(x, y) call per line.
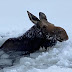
point(43, 34)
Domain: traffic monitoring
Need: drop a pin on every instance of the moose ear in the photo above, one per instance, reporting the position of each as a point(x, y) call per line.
point(42, 16)
point(33, 18)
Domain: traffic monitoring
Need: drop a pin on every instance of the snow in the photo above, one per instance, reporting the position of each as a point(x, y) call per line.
point(50, 69)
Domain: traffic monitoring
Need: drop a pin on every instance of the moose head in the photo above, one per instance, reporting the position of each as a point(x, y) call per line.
point(48, 28)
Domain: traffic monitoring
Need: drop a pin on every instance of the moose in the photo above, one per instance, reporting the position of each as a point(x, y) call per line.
point(42, 34)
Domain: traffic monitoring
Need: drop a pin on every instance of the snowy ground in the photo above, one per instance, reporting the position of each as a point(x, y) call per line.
point(56, 59)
